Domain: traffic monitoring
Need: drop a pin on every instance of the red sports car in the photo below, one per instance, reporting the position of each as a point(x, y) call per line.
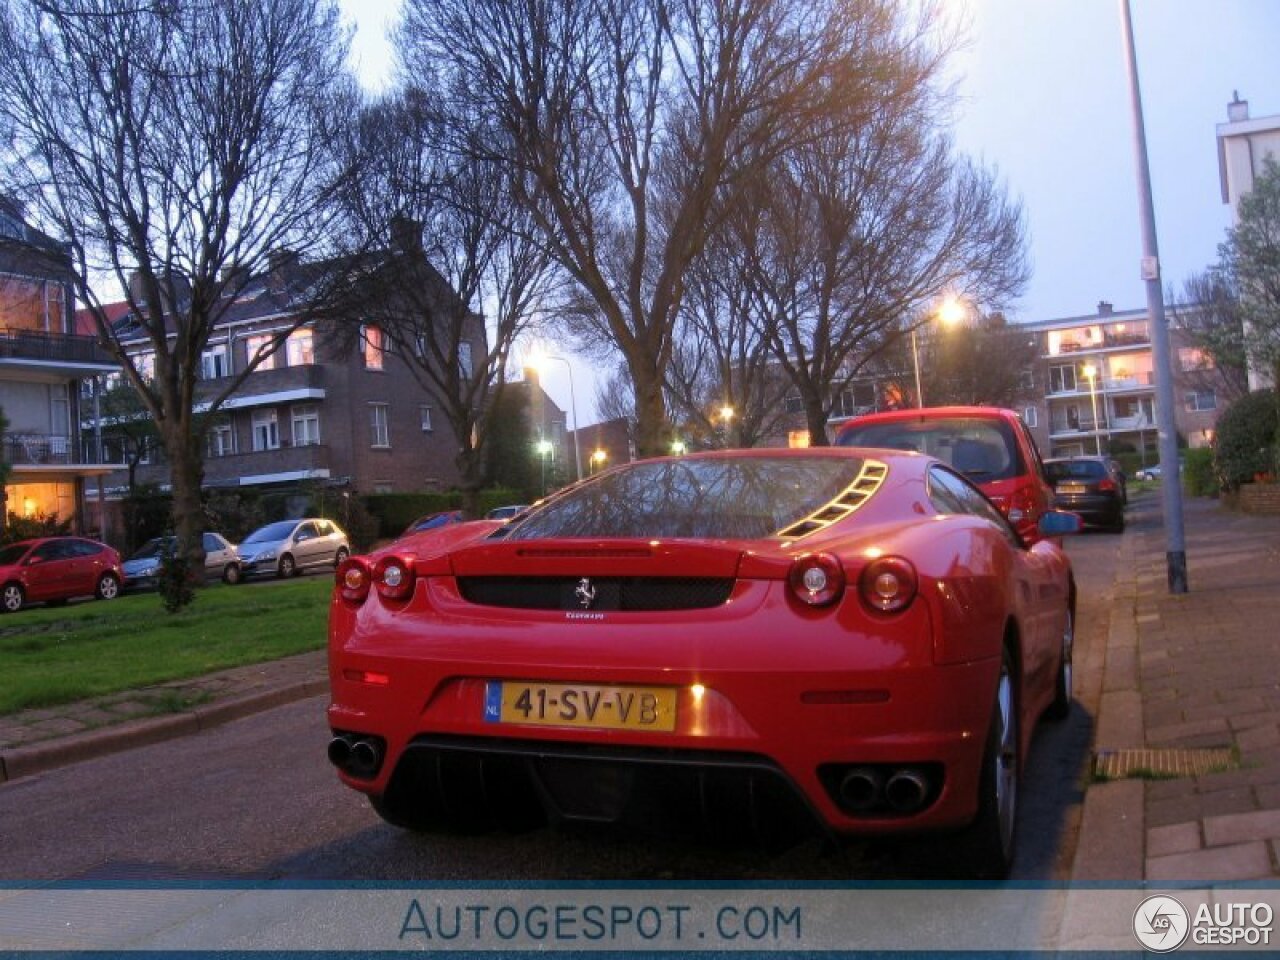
point(850, 639)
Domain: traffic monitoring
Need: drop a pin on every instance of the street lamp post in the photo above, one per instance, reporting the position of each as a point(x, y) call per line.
point(915, 359)
point(1091, 374)
point(544, 447)
point(1171, 489)
point(536, 362)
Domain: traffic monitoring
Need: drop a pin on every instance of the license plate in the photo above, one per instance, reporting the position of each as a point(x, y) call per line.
point(1071, 488)
point(583, 705)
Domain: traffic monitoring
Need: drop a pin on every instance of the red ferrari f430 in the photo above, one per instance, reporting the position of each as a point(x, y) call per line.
point(852, 640)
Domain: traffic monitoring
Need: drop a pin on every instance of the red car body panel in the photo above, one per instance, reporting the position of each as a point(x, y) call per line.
point(762, 674)
point(1029, 491)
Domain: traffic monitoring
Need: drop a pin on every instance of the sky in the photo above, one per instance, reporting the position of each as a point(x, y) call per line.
point(1043, 98)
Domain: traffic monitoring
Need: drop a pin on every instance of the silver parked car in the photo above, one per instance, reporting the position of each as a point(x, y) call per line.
point(142, 570)
point(291, 546)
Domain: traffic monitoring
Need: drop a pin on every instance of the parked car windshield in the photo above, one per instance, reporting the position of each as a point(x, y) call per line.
point(13, 553)
point(981, 448)
point(1075, 469)
point(272, 532)
point(153, 548)
point(742, 498)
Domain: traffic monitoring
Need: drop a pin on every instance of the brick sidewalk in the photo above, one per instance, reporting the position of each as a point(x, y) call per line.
point(1209, 676)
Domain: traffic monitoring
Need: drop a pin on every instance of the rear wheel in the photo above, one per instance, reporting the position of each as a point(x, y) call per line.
point(12, 597)
point(1061, 705)
point(987, 846)
point(108, 587)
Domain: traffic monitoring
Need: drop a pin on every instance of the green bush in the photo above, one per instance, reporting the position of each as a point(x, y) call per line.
point(395, 511)
point(1245, 441)
point(1198, 476)
point(29, 528)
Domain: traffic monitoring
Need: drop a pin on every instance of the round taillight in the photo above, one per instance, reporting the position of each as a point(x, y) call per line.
point(817, 579)
point(353, 579)
point(393, 576)
point(888, 585)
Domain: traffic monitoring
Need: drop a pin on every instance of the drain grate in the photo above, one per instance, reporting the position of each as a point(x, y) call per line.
point(1167, 763)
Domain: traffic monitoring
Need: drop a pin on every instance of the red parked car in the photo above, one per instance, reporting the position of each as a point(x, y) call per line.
point(848, 640)
point(57, 568)
point(989, 445)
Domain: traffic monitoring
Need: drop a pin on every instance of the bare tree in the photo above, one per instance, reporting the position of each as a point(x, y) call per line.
point(1211, 317)
point(865, 231)
point(623, 123)
point(168, 143)
point(467, 272)
point(723, 379)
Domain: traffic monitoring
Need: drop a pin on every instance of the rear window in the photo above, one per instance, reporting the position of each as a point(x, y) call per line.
point(747, 498)
point(981, 448)
point(1074, 469)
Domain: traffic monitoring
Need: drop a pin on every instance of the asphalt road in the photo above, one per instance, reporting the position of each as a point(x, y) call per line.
point(255, 799)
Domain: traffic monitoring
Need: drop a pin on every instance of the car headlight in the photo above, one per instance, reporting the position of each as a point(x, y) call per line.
point(264, 555)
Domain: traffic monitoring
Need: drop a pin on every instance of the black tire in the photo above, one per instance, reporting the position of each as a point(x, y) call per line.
point(12, 597)
point(1061, 705)
point(286, 568)
point(232, 574)
point(341, 555)
point(1118, 526)
point(108, 587)
point(987, 846)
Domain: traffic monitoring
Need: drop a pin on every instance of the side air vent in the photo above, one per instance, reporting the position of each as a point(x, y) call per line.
point(850, 499)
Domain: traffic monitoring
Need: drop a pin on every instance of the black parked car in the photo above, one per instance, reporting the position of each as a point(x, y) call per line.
point(1090, 487)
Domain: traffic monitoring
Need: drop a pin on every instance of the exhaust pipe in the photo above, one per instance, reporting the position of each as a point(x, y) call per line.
point(906, 790)
point(340, 751)
point(860, 789)
point(365, 758)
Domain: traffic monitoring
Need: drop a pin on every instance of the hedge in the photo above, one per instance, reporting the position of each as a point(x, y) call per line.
point(395, 511)
point(1244, 444)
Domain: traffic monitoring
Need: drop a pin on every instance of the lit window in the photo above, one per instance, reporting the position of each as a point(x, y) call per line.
point(300, 348)
point(266, 432)
point(145, 364)
point(306, 425)
point(264, 346)
point(373, 347)
point(378, 433)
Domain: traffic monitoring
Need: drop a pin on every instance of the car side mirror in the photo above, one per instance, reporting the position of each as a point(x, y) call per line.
point(1058, 523)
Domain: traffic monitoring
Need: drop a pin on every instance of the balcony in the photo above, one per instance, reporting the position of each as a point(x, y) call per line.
point(1061, 426)
point(23, 449)
point(65, 354)
point(237, 469)
point(264, 388)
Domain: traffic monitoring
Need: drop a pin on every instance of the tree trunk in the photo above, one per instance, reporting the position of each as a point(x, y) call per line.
point(653, 434)
point(469, 463)
point(186, 472)
point(816, 420)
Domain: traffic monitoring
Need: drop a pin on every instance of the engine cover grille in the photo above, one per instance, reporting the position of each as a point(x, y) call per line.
point(607, 593)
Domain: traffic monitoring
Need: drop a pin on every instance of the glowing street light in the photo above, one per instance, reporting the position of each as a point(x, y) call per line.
point(537, 360)
point(1091, 374)
point(726, 413)
point(951, 312)
point(544, 448)
point(678, 448)
point(598, 459)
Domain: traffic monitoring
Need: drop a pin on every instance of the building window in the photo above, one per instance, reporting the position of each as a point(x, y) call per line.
point(299, 349)
point(264, 345)
point(1031, 417)
point(145, 364)
point(221, 440)
point(464, 360)
point(306, 425)
point(266, 432)
point(374, 347)
point(213, 363)
point(1062, 379)
point(1200, 400)
point(424, 414)
point(378, 434)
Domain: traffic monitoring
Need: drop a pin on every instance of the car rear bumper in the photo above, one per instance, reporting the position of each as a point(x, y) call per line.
point(792, 718)
point(1104, 510)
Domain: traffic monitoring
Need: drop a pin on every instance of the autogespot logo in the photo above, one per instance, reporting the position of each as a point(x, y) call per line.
point(1161, 924)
